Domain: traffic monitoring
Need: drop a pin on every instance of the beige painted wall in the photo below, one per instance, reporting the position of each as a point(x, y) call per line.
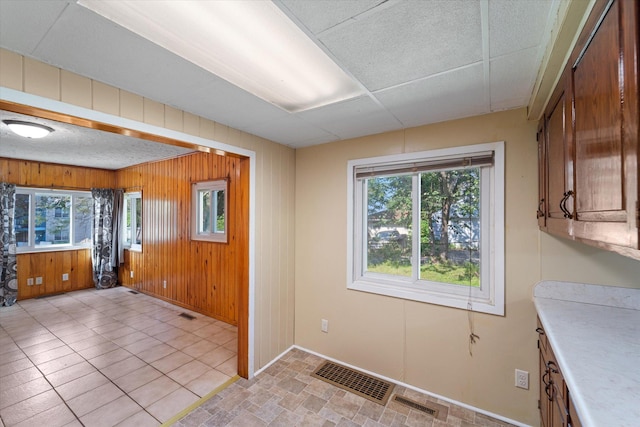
point(275, 175)
point(426, 345)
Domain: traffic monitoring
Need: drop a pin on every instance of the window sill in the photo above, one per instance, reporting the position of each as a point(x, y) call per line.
point(52, 248)
point(411, 293)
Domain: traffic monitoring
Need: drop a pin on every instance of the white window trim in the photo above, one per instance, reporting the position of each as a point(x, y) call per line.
point(440, 294)
point(31, 247)
point(213, 185)
point(131, 246)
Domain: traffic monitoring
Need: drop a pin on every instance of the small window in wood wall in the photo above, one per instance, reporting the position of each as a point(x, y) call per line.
point(209, 211)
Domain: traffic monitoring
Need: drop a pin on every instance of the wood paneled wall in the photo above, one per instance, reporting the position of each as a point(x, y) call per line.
point(203, 276)
point(52, 265)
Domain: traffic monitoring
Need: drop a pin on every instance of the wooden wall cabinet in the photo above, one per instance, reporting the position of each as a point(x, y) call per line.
point(556, 407)
point(588, 143)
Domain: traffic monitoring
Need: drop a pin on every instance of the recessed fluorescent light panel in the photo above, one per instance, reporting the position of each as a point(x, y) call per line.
point(251, 44)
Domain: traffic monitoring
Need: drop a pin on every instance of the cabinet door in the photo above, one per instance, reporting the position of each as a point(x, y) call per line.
point(545, 392)
point(559, 154)
point(541, 212)
point(604, 82)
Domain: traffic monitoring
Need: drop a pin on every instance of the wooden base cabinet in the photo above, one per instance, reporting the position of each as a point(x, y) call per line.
point(556, 407)
point(590, 146)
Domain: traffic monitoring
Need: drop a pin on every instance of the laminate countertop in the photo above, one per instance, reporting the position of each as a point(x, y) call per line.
point(595, 335)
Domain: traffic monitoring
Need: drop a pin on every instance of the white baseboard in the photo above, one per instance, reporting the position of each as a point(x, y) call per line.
point(409, 386)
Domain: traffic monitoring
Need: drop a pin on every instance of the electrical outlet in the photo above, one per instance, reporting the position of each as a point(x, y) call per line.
point(522, 379)
point(30, 281)
point(164, 284)
point(325, 325)
point(38, 280)
point(65, 277)
point(131, 274)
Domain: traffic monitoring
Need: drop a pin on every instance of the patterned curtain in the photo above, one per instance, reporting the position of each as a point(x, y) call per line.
point(8, 264)
point(105, 249)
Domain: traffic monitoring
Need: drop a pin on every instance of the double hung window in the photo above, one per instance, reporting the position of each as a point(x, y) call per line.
point(132, 236)
point(52, 219)
point(209, 211)
point(429, 226)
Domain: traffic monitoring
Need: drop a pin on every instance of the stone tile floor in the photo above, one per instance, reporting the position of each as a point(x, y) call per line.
point(108, 357)
point(286, 395)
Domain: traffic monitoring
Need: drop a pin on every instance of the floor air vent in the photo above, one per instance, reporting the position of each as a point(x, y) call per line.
point(431, 408)
point(134, 292)
point(187, 316)
point(371, 388)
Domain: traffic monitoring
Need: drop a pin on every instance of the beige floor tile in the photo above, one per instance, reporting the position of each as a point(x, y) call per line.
point(188, 372)
point(10, 396)
point(130, 338)
point(247, 420)
point(31, 340)
point(15, 366)
point(207, 382)
point(42, 347)
point(154, 391)
point(60, 363)
point(232, 345)
point(172, 361)
point(184, 340)
point(88, 342)
point(11, 356)
point(137, 378)
point(156, 353)
point(230, 367)
point(117, 333)
point(208, 331)
point(31, 407)
point(49, 355)
point(217, 356)
point(123, 367)
point(59, 415)
point(81, 385)
point(140, 419)
point(91, 400)
point(71, 373)
point(97, 350)
point(112, 413)
point(223, 337)
point(79, 336)
point(142, 345)
point(172, 404)
point(107, 327)
point(199, 348)
point(110, 358)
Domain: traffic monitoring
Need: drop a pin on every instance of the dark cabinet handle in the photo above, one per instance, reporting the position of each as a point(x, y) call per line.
point(540, 212)
point(540, 331)
point(563, 204)
point(551, 365)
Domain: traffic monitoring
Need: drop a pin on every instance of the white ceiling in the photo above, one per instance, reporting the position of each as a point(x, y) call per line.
point(420, 61)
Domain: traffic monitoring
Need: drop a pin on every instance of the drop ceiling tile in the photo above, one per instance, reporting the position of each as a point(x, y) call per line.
point(516, 24)
point(318, 16)
point(451, 95)
point(350, 118)
point(110, 54)
point(224, 103)
point(293, 132)
point(512, 79)
point(24, 23)
point(410, 40)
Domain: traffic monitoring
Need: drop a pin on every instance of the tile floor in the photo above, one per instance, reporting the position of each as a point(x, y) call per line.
point(286, 395)
point(106, 358)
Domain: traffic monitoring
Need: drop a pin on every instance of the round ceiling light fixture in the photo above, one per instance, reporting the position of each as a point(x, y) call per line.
point(28, 129)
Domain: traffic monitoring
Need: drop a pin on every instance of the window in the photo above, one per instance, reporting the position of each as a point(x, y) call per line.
point(209, 216)
point(429, 226)
point(50, 219)
point(132, 209)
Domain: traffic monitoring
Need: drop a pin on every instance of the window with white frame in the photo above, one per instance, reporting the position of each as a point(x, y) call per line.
point(429, 226)
point(209, 211)
point(48, 219)
point(132, 210)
